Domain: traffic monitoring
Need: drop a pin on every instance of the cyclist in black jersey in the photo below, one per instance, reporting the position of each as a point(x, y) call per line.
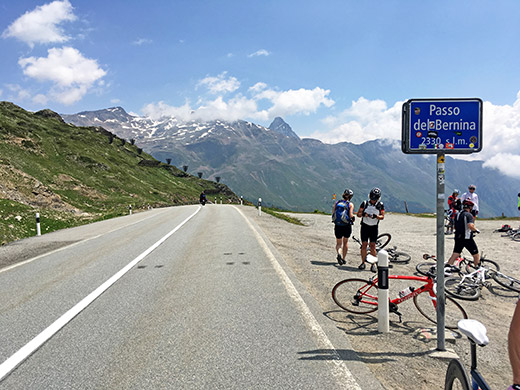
point(372, 211)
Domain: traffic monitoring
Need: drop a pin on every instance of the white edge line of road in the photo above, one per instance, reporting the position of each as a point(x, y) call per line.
point(70, 246)
point(340, 370)
point(32, 346)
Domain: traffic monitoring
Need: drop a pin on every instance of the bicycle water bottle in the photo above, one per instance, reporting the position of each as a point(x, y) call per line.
point(405, 292)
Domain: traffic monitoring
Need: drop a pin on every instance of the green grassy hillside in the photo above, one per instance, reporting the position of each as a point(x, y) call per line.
point(75, 175)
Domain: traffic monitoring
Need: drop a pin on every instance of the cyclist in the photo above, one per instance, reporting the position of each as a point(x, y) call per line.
point(202, 198)
point(454, 205)
point(464, 230)
point(372, 211)
point(472, 195)
point(343, 230)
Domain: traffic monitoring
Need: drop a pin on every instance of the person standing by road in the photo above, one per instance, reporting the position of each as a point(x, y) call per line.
point(454, 205)
point(372, 211)
point(343, 218)
point(519, 201)
point(464, 230)
point(471, 195)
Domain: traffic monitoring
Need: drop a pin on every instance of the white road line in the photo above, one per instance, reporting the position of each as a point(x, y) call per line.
point(339, 369)
point(32, 346)
point(71, 245)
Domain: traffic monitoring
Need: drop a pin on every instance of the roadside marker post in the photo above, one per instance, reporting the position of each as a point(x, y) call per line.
point(441, 126)
point(383, 322)
point(259, 207)
point(129, 209)
point(38, 229)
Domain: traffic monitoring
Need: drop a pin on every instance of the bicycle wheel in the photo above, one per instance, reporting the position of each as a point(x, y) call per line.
point(456, 377)
point(355, 296)
point(383, 240)
point(507, 281)
point(461, 288)
point(486, 263)
point(399, 257)
point(426, 305)
point(516, 237)
point(424, 268)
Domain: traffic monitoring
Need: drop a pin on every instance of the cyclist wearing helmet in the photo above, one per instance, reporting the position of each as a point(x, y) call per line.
point(464, 230)
point(454, 205)
point(372, 211)
point(471, 195)
point(343, 229)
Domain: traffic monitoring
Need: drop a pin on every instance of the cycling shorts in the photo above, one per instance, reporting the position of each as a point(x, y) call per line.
point(469, 244)
point(369, 233)
point(342, 231)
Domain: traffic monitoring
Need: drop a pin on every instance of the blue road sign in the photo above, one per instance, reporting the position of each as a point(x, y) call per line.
point(442, 126)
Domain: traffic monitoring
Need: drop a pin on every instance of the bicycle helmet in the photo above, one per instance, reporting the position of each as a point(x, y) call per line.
point(348, 194)
point(468, 204)
point(456, 191)
point(375, 193)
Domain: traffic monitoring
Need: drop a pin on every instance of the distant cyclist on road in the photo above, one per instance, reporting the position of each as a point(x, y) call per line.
point(202, 198)
point(464, 230)
point(343, 218)
point(372, 211)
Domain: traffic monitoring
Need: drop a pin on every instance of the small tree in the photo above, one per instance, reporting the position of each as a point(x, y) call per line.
point(132, 141)
point(200, 175)
point(110, 139)
point(139, 150)
point(185, 167)
point(217, 179)
point(123, 142)
point(168, 161)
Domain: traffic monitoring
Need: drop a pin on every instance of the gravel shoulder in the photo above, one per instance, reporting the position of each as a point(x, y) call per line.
point(400, 359)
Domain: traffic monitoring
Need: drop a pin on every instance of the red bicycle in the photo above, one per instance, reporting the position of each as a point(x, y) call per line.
point(359, 296)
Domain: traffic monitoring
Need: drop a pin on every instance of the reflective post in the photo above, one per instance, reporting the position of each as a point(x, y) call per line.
point(38, 229)
point(259, 207)
point(383, 310)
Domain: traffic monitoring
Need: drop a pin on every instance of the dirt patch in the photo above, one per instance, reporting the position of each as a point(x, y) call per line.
point(401, 359)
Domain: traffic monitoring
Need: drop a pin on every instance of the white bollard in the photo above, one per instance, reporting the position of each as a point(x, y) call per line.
point(259, 207)
point(241, 201)
point(38, 229)
point(383, 323)
point(221, 200)
point(130, 209)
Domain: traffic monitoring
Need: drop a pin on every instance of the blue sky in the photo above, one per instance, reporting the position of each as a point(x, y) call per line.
point(334, 70)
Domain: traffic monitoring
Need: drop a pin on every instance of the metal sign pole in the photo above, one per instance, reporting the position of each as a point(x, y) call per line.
point(441, 301)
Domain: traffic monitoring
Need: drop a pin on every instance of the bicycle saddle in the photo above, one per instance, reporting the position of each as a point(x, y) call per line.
point(475, 330)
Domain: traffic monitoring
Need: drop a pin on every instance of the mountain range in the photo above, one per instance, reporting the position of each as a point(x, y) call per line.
point(274, 164)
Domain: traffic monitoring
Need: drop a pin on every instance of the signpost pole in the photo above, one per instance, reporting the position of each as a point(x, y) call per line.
point(441, 301)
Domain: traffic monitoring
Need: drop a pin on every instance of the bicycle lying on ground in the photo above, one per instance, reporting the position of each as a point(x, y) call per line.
point(359, 296)
point(469, 286)
point(456, 375)
point(430, 267)
point(394, 256)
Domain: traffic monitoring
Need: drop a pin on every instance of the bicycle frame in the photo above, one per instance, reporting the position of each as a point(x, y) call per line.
point(478, 277)
point(429, 287)
point(478, 381)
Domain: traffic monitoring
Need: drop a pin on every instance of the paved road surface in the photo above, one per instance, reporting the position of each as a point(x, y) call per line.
point(177, 298)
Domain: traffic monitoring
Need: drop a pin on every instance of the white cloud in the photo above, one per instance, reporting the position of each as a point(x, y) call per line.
point(142, 41)
point(42, 24)
point(261, 52)
point(301, 101)
point(220, 84)
point(115, 101)
point(70, 72)
point(40, 99)
point(238, 106)
point(506, 163)
point(363, 121)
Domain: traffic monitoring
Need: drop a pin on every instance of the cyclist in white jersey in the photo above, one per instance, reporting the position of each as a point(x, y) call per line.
point(372, 211)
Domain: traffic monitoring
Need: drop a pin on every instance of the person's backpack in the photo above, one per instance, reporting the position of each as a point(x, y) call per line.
point(341, 213)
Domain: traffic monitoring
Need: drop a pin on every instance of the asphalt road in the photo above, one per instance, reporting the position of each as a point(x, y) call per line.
point(178, 298)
